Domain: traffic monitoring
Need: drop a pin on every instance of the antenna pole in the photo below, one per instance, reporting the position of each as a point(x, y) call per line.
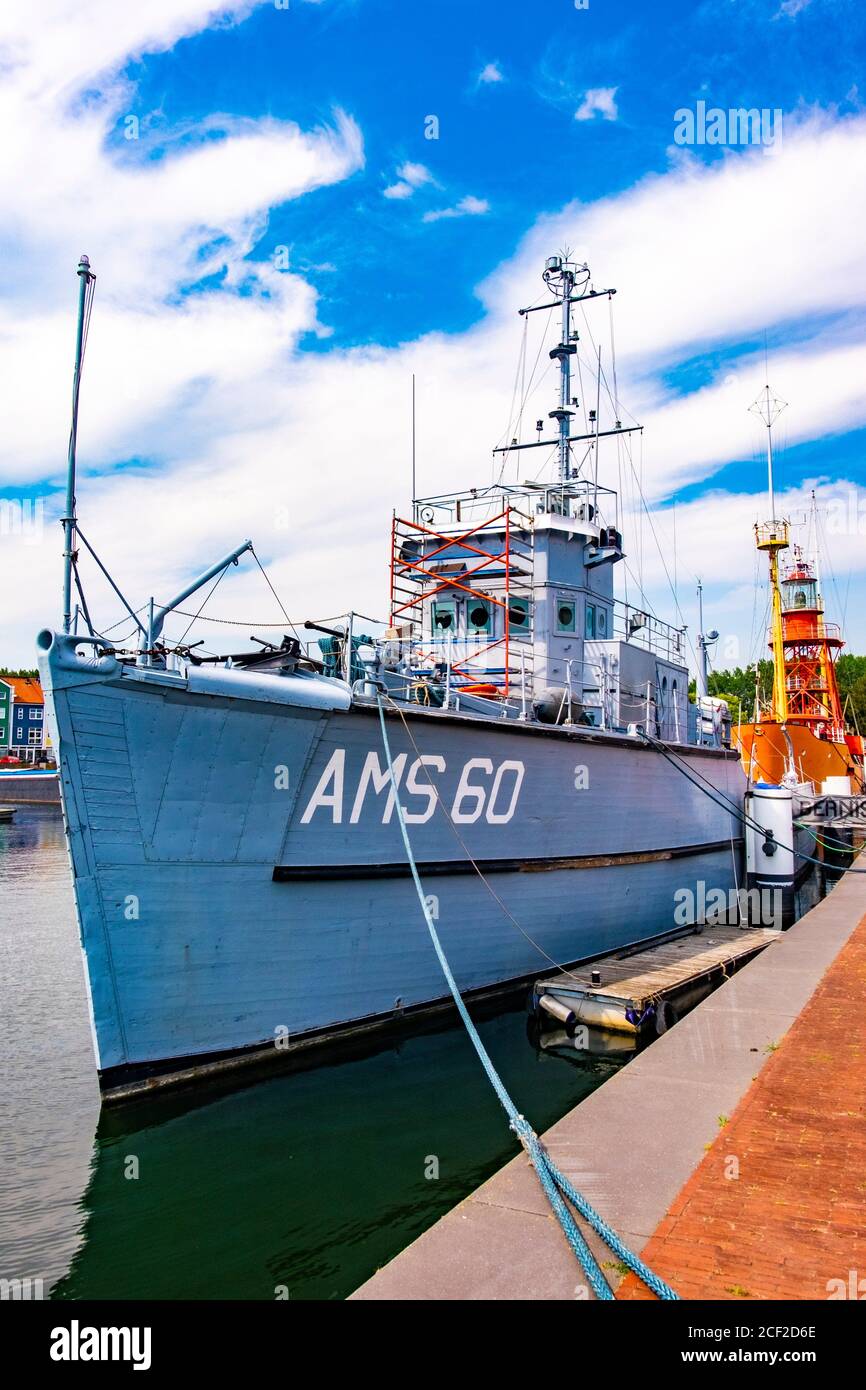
point(85, 278)
point(768, 408)
point(597, 422)
point(770, 471)
point(702, 681)
point(413, 440)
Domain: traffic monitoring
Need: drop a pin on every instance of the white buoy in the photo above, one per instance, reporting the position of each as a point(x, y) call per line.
point(769, 851)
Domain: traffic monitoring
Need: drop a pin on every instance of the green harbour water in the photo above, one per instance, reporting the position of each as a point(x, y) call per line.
point(297, 1185)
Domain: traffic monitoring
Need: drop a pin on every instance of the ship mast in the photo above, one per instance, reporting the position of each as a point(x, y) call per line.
point(772, 536)
point(86, 280)
point(568, 282)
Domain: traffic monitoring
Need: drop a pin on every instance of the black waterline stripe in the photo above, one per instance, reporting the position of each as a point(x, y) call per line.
point(438, 868)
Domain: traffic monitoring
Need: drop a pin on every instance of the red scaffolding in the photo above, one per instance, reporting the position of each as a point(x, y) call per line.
point(419, 573)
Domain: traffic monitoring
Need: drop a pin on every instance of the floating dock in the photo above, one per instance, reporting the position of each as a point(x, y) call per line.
point(769, 1071)
point(634, 992)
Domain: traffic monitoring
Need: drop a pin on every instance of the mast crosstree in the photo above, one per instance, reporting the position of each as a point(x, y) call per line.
point(568, 282)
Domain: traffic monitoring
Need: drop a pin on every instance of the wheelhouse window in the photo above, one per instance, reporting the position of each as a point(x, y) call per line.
point(518, 615)
point(478, 614)
point(444, 616)
point(566, 615)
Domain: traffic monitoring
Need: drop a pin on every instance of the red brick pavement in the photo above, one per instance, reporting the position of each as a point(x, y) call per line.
point(795, 1216)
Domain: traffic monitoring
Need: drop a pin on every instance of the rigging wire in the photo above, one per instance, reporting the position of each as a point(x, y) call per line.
point(519, 377)
point(275, 594)
point(526, 391)
point(210, 591)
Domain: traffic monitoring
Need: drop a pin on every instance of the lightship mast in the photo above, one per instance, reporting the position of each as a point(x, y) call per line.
point(772, 536)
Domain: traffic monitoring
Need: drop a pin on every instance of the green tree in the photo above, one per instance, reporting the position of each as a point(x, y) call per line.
point(854, 703)
point(738, 688)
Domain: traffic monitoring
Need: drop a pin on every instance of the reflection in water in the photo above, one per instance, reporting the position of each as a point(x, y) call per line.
point(309, 1179)
point(49, 1100)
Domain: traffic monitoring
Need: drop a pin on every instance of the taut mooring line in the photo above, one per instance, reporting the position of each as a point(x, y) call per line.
point(555, 1184)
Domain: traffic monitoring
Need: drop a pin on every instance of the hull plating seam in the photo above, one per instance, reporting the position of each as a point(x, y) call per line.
point(437, 868)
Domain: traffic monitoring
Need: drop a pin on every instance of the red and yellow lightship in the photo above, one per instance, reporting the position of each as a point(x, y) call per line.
point(802, 731)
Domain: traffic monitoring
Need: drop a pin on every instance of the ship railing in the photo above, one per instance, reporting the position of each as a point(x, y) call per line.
point(517, 686)
point(832, 632)
point(348, 629)
point(772, 535)
point(798, 683)
point(643, 629)
point(528, 499)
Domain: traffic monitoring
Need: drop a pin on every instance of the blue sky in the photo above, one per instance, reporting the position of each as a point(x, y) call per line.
point(514, 142)
point(228, 392)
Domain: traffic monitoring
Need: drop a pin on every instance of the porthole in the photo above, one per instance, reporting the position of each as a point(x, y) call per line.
point(565, 615)
point(478, 614)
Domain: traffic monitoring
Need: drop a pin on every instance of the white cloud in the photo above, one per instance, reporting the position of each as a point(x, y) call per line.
point(598, 101)
point(409, 177)
point(234, 420)
point(467, 207)
point(490, 73)
point(151, 225)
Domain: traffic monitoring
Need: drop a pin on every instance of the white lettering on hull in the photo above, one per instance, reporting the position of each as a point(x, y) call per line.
point(426, 788)
point(333, 776)
point(380, 778)
point(482, 790)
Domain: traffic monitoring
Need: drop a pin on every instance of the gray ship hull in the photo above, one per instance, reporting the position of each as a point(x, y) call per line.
point(241, 883)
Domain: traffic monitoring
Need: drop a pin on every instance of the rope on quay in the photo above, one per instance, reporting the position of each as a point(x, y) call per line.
point(555, 1184)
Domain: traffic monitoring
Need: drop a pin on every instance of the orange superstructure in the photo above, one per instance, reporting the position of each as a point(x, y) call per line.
point(808, 735)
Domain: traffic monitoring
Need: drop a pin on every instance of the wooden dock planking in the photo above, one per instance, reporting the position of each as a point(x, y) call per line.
point(668, 968)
